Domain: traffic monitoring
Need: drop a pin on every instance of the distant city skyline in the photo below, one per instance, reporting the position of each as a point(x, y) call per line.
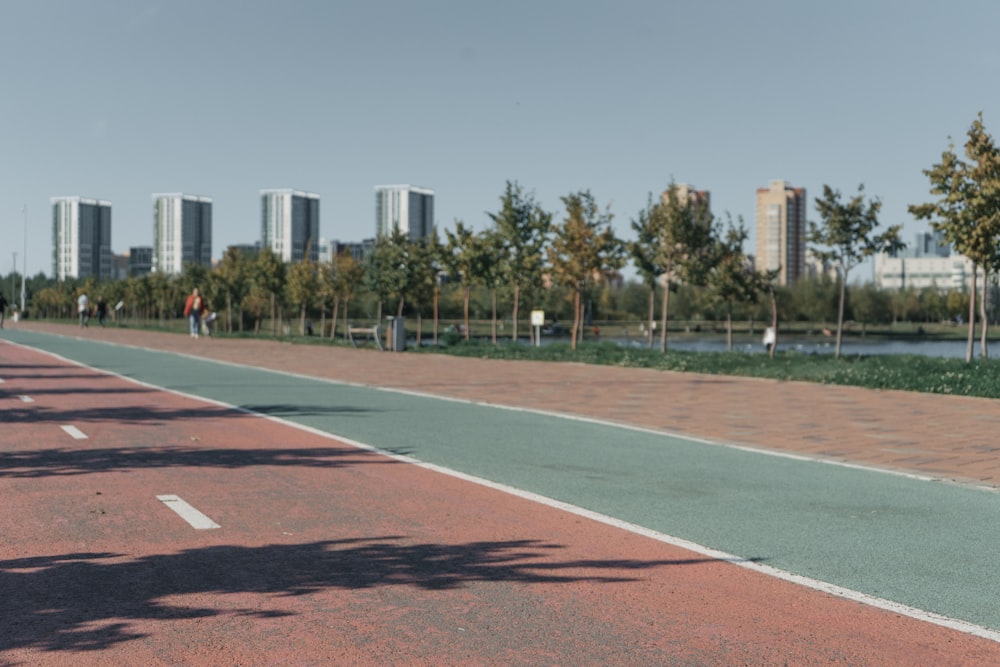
point(405, 208)
point(81, 238)
point(618, 98)
point(290, 223)
point(781, 231)
point(182, 231)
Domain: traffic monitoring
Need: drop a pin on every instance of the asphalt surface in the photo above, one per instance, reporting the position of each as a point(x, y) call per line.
point(927, 543)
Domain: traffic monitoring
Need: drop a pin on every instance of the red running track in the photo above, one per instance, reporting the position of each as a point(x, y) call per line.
point(328, 554)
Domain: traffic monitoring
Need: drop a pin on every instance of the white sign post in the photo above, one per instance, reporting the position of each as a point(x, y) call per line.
point(537, 320)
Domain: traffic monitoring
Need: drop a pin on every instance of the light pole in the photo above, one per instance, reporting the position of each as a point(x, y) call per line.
point(24, 257)
point(12, 276)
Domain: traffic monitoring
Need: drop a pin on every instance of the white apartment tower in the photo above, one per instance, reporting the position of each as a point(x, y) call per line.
point(81, 238)
point(781, 231)
point(289, 223)
point(182, 232)
point(406, 208)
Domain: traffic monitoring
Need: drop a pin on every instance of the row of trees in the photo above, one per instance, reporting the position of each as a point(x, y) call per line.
point(812, 302)
point(526, 260)
point(522, 258)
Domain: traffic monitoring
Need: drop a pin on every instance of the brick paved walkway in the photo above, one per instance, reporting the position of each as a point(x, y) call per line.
point(947, 437)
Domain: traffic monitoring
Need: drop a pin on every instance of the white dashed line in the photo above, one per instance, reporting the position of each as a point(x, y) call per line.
point(75, 432)
point(197, 520)
point(26, 399)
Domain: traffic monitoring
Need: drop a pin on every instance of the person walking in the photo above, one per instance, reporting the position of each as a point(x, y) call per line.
point(3, 308)
point(83, 309)
point(193, 308)
point(102, 310)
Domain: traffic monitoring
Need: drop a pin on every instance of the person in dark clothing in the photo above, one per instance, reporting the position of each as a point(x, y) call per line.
point(102, 310)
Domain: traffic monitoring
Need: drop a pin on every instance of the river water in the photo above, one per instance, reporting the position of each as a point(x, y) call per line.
point(806, 345)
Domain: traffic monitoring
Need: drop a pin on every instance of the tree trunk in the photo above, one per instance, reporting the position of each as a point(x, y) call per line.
point(840, 312)
point(229, 313)
point(302, 319)
point(493, 295)
point(347, 330)
point(420, 327)
point(983, 318)
point(576, 315)
point(972, 316)
point(663, 316)
point(274, 322)
point(333, 318)
point(437, 293)
point(729, 327)
point(465, 307)
point(517, 303)
point(774, 319)
point(652, 315)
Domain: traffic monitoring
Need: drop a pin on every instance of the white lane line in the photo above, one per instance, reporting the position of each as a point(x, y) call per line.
point(26, 399)
point(75, 432)
point(197, 520)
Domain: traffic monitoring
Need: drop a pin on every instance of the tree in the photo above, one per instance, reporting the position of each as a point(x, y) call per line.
point(731, 279)
point(488, 270)
point(967, 212)
point(681, 245)
point(233, 276)
point(163, 295)
point(461, 259)
point(345, 275)
point(523, 229)
point(846, 236)
point(644, 251)
point(302, 287)
point(871, 305)
point(268, 277)
point(424, 267)
point(385, 269)
point(583, 250)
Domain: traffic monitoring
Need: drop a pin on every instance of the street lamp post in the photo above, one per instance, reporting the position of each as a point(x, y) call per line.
point(12, 276)
point(24, 257)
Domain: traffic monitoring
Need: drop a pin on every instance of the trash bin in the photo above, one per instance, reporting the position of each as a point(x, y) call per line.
point(398, 340)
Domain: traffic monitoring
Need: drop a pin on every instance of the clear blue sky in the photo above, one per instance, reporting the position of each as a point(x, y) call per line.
point(118, 99)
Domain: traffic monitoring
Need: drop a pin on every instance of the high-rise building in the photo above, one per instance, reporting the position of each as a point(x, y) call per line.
point(781, 231)
point(289, 223)
point(406, 208)
point(692, 197)
point(81, 238)
point(140, 260)
point(182, 232)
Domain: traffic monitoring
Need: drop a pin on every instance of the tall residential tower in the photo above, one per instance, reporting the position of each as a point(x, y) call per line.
point(182, 232)
point(289, 223)
point(406, 208)
point(81, 238)
point(781, 231)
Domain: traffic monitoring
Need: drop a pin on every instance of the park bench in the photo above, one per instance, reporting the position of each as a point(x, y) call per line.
point(372, 333)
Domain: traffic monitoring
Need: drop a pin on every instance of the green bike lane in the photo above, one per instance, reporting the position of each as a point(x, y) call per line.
point(929, 545)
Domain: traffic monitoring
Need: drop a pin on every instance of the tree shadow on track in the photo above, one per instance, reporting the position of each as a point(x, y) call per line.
point(144, 414)
point(87, 601)
point(68, 462)
point(75, 391)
